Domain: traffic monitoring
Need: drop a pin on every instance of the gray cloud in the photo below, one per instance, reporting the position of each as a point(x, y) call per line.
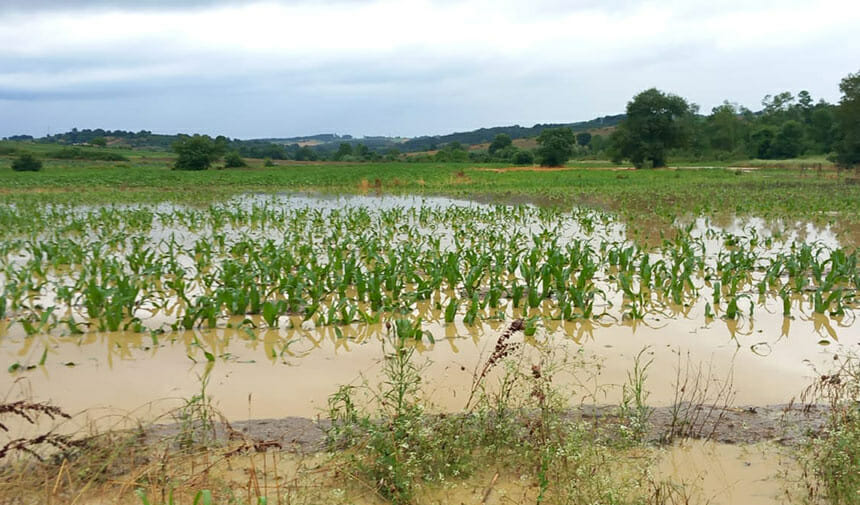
point(369, 68)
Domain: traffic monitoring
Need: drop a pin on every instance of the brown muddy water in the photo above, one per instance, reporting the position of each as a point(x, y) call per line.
point(291, 372)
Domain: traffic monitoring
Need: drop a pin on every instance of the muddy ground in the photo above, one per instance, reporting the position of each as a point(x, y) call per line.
point(788, 425)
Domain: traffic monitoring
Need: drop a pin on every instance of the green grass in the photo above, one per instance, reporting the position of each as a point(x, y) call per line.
point(770, 192)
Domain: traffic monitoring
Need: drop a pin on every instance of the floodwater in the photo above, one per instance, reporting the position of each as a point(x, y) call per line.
point(290, 371)
point(696, 472)
point(725, 474)
point(249, 371)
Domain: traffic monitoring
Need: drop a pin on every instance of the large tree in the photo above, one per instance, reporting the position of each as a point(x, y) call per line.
point(556, 146)
point(500, 141)
point(848, 119)
point(655, 123)
point(197, 152)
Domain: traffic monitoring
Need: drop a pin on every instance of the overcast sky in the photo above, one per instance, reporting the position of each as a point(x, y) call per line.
point(398, 67)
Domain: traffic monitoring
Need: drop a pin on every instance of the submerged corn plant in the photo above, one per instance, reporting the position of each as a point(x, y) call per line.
point(275, 262)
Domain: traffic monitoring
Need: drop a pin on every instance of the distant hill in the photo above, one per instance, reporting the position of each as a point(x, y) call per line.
point(279, 148)
point(485, 135)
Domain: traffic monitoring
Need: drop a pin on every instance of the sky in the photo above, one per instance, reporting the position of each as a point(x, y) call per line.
point(250, 69)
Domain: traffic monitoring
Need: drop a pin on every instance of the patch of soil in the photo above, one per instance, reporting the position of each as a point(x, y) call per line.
point(784, 424)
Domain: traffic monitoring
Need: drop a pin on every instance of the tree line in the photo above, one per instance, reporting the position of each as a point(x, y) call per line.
point(656, 126)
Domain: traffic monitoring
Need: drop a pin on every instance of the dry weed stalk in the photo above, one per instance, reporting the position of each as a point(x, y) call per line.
point(30, 412)
point(503, 349)
point(701, 401)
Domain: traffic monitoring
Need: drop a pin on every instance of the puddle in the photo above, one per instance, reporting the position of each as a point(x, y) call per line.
point(723, 474)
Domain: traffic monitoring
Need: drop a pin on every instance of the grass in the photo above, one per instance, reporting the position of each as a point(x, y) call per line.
point(769, 192)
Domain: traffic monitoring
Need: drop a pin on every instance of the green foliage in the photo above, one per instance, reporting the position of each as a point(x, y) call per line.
point(451, 152)
point(556, 146)
point(77, 153)
point(197, 152)
point(99, 141)
point(398, 445)
point(848, 117)
point(343, 151)
point(500, 141)
point(233, 160)
point(832, 459)
point(655, 122)
point(583, 139)
point(305, 153)
point(523, 157)
point(26, 162)
point(788, 142)
point(725, 128)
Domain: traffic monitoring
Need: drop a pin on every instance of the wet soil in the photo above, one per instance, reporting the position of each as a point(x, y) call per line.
point(786, 425)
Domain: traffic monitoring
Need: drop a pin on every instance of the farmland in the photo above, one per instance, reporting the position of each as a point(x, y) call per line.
point(470, 308)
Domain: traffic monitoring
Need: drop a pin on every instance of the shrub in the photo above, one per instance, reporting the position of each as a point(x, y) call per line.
point(76, 153)
point(523, 158)
point(234, 160)
point(26, 163)
point(268, 163)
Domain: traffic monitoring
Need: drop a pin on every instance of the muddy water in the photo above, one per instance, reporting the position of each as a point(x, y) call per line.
point(723, 474)
point(272, 373)
point(697, 472)
point(291, 372)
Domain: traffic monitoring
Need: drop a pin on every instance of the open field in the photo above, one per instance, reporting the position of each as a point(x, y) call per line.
point(448, 332)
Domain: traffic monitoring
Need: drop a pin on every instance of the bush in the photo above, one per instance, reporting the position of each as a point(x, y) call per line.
point(26, 163)
point(234, 160)
point(76, 153)
point(268, 163)
point(523, 158)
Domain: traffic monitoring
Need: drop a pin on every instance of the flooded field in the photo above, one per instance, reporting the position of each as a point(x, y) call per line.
point(297, 291)
point(267, 305)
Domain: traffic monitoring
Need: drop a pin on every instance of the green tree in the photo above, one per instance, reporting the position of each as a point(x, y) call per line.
point(234, 160)
point(343, 150)
point(98, 141)
point(848, 119)
point(761, 142)
point(725, 128)
point(26, 163)
point(822, 130)
point(556, 146)
point(583, 139)
point(305, 153)
point(655, 122)
point(500, 141)
point(788, 142)
point(196, 153)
